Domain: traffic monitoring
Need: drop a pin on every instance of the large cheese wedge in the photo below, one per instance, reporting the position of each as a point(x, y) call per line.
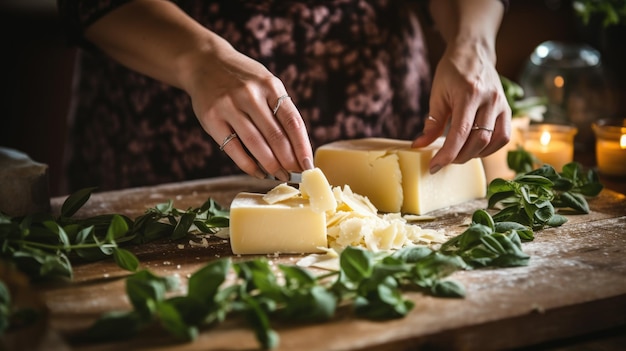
point(288, 226)
point(396, 177)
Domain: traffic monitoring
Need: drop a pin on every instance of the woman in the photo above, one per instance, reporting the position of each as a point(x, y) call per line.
point(269, 81)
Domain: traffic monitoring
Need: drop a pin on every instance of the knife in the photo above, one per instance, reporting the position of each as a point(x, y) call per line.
point(294, 177)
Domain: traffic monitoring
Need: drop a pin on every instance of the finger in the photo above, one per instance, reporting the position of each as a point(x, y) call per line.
point(435, 124)
point(293, 125)
point(256, 145)
point(501, 134)
point(460, 128)
point(229, 143)
point(480, 134)
point(277, 152)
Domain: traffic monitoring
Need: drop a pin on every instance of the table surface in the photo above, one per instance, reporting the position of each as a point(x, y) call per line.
point(574, 284)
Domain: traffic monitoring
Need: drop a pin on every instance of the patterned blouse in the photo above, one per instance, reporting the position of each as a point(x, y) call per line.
point(354, 68)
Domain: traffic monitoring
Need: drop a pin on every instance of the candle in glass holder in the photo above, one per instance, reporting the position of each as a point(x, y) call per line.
point(611, 147)
point(551, 144)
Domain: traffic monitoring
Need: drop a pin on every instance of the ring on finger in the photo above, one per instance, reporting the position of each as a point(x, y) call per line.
point(477, 127)
point(227, 140)
point(279, 102)
point(431, 118)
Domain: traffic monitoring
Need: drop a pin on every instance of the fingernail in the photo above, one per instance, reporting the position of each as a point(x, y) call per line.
point(282, 175)
point(434, 169)
point(308, 164)
point(260, 174)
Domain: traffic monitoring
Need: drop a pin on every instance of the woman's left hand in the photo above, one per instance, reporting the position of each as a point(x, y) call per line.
point(468, 94)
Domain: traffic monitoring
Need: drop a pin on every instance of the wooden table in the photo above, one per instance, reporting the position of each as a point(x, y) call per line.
point(575, 284)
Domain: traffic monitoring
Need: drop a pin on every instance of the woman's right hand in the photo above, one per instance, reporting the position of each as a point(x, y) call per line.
point(230, 92)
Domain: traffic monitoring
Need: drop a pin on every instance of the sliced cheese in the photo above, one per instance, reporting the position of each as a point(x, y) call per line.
point(396, 178)
point(289, 226)
point(316, 189)
point(281, 192)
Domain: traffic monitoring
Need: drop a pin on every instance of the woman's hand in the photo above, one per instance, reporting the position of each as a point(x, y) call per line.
point(235, 95)
point(466, 93)
point(230, 92)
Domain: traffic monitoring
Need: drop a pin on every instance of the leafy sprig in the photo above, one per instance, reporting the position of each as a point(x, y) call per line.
point(371, 284)
point(532, 197)
point(40, 245)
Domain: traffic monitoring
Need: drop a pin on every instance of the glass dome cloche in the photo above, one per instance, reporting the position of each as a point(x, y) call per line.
point(571, 78)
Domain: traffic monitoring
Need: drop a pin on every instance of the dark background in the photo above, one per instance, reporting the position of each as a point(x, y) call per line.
point(36, 68)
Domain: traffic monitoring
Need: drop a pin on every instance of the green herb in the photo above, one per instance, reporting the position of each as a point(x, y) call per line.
point(611, 12)
point(40, 245)
point(371, 284)
point(533, 107)
point(532, 197)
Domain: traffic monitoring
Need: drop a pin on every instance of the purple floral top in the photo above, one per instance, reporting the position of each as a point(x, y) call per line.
point(354, 68)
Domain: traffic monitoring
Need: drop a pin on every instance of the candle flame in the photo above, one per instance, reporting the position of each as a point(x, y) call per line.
point(622, 141)
point(545, 138)
point(559, 81)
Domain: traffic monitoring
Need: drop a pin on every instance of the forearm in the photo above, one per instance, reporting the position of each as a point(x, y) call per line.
point(471, 24)
point(156, 38)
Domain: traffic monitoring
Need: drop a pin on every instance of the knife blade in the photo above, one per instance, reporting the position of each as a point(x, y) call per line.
point(294, 177)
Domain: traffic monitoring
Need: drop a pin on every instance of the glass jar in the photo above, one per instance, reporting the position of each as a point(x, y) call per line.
point(571, 79)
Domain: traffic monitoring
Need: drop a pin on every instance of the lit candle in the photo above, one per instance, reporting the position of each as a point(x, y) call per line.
point(552, 144)
point(611, 148)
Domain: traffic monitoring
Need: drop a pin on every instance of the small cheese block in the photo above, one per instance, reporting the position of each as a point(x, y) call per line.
point(23, 184)
point(396, 177)
point(289, 226)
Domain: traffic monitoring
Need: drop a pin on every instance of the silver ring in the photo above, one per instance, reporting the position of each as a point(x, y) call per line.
point(279, 102)
point(431, 118)
point(477, 127)
point(227, 140)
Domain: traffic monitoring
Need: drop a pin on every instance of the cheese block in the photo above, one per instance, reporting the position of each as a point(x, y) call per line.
point(288, 226)
point(396, 177)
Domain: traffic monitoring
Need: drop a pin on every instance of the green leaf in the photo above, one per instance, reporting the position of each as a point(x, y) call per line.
point(259, 321)
point(204, 283)
point(575, 201)
point(115, 326)
point(117, 228)
point(411, 254)
point(75, 201)
point(448, 288)
point(145, 290)
point(296, 277)
point(182, 228)
point(356, 263)
point(174, 323)
point(526, 233)
point(192, 310)
point(126, 259)
point(483, 217)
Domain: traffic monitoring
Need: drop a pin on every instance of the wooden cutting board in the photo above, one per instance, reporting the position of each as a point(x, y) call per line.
point(575, 283)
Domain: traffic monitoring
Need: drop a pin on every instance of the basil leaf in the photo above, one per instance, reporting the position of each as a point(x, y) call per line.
point(448, 288)
point(204, 283)
point(356, 263)
point(483, 217)
point(174, 323)
point(117, 228)
point(126, 259)
point(115, 326)
point(182, 228)
point(75, 201)
point(575, 201)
